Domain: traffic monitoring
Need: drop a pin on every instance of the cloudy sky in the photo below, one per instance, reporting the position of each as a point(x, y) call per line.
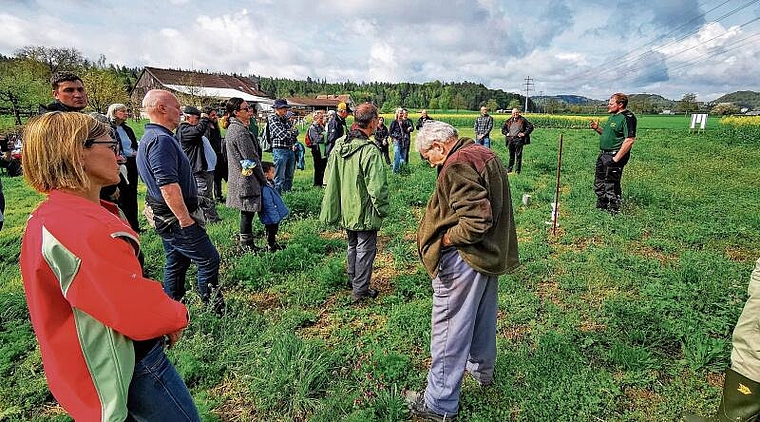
point(590, 48)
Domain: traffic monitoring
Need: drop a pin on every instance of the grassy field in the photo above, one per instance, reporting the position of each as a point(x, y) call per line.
point(624, 318)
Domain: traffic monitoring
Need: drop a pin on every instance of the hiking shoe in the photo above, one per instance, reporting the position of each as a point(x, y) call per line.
point(418, 408)
point(370, 293)
point(276, 247)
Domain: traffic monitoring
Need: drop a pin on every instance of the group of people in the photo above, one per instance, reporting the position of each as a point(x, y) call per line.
point(79, 256)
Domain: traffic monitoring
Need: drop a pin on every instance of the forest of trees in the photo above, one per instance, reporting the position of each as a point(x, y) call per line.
point(387, 96)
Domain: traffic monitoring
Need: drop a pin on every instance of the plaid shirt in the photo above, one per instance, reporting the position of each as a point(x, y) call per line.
point(280, 131)
point(483, 125)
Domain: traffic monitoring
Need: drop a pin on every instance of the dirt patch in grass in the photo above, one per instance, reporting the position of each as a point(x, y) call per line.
point(325, 323)
point(641, 399)
point(715, 380)
point(514, 334)
point(739, 254)
point(549, 290)
point(265, 301)
point(236, 403)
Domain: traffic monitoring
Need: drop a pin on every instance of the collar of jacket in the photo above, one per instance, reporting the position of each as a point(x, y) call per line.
point(461, 143)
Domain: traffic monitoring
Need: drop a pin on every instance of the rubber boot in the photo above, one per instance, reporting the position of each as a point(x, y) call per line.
point(740, 402)
point(247, 242)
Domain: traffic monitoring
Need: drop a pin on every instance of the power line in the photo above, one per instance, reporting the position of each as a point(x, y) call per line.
point(607, 67)
point(640, 57)
point(528, 87)
point(692, 62)
point(653, 41)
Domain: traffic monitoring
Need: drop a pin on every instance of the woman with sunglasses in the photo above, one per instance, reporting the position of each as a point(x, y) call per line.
point(245, 176)
point(101, 326)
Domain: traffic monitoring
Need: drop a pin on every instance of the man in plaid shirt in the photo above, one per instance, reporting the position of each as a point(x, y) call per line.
point(282, 135)
point(483, 126)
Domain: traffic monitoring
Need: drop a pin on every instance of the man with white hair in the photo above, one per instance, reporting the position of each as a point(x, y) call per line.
point(466, 239)
point(172, 202)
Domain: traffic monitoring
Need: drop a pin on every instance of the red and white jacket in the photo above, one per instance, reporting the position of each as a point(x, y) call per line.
point(88, 301)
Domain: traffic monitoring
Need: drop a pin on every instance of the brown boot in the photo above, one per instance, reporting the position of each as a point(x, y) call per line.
point(740, 402)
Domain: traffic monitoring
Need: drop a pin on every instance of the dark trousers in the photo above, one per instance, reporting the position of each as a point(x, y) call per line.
point(607, 181)
point(384, 151)
point(246, 222)
point(220, 173)
point(183, 246)
point(128, 194)
point(319, 166)
point(515, 156)
point(272, 230)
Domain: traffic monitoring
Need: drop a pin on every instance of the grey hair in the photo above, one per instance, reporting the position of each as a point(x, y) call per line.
point(113, 108)
point(435, 130)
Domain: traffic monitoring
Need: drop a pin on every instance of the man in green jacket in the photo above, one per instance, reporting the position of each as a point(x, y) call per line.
point(466, 239)
point(357, 196)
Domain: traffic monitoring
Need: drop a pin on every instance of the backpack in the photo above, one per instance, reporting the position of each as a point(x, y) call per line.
point(307, 139)
point(265, 140)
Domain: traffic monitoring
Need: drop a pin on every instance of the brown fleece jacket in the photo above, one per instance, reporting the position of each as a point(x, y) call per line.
point(472, 203)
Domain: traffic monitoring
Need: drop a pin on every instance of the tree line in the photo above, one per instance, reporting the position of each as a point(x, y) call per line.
point(434, 95)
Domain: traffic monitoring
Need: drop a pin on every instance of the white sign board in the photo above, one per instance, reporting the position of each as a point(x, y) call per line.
point(700, 119)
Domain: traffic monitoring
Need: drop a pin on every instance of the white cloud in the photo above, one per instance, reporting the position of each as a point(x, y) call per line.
point(566, 46)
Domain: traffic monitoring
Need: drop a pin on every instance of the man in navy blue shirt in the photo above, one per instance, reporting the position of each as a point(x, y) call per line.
point(172, 202)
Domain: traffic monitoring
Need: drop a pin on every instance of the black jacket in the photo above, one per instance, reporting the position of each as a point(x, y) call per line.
point(526, 128)
point(130, 133)
point(57, 106)
point(191, 139)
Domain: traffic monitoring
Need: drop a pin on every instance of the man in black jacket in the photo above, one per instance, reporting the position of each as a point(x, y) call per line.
point(214, 136)
point(190, 136)
point(517, 129)
point(68, 91)
point(336, 128)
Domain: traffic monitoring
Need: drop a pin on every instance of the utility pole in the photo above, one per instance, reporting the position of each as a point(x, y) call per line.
point(542, 108)
point(528, 86)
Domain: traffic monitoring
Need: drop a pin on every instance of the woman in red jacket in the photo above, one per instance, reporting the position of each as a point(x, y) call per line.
point(101, 326)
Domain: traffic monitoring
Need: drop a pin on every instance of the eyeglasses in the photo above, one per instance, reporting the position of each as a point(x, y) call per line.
point(112, 145)
point(244, 109)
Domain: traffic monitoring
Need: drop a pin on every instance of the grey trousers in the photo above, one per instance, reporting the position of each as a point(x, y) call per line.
point(745, 356)
point(205, 182)
point(362, 249)
point(463, 336)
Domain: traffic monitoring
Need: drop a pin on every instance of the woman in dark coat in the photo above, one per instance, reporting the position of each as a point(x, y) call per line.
point(245, 176)
point(127, 201)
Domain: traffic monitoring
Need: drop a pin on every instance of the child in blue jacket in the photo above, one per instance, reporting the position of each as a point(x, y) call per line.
point(273, 209)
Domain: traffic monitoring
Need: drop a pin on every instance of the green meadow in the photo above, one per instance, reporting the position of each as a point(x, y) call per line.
point(624, 318)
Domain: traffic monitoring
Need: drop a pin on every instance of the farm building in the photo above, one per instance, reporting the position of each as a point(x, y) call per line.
point(200, 88)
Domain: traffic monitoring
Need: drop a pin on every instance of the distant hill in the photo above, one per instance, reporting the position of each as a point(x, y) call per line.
point(567, 99)
point(749, 99)
point(652, 101)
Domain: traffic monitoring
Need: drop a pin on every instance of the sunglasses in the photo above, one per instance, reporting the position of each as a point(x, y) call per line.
point(244, 109)
point(112, 145)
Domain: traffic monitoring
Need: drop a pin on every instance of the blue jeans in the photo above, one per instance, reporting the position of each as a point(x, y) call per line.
point(485, 141)
point(183, 246)
point(398, 155)
point(284, 168)
point(157, 393)
point(463, 334)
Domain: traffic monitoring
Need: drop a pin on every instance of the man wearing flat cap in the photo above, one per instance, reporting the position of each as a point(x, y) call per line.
point(190, 136)
point(337, 128)
point(283, 135)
